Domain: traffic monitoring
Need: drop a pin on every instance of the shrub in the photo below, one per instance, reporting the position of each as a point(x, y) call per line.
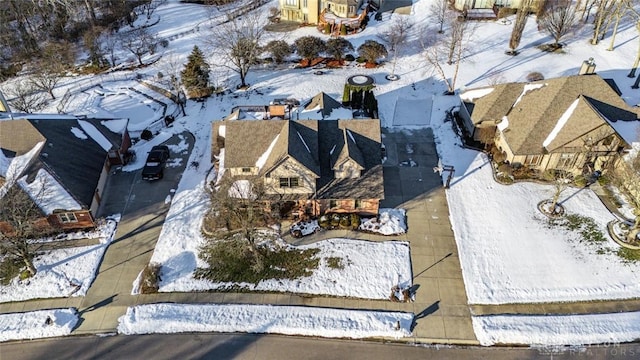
point(505, 11)
point(279, 49)
point(355, 221)
point(164, 43)
point(235, 261)
point(345, 221)
point(159, 75)
point(629, 255)
point(343, 29)
point(146, 134)
point(309, 47)
point(349, 57)
point(371, 50)
point(335, 220)
point(580, 181)
point(534, 76)
point(150, 279)
point(9, 268)
point(335, 262)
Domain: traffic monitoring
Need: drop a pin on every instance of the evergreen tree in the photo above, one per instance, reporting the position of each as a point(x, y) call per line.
point(195, 75)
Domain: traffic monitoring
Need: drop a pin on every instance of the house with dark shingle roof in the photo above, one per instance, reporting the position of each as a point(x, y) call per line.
point(316, 166)
point(562, 123)
point(65, 161)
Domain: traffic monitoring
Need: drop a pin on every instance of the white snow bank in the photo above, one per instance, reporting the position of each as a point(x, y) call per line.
point(33, 325)
point(289, 320)
point(389, 222)
point(557, 329)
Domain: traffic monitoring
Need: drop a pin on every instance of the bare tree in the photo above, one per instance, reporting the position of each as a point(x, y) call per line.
point(618, 13)
point(139, 42)
point(559, 22)
point(518, 26)
point(396, 37)
point(19, 216)
point(448, 51)
point(238, 213)
point(24, 96)
point(111, 43)
point(149, 7)
point(50, 68)
point(439, 13)
point(561, 181)
point(237, 44)
point(603, 15)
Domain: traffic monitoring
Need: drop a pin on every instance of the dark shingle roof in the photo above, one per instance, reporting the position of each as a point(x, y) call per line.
point(76, 163)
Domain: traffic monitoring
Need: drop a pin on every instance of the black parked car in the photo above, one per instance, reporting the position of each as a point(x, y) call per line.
point(154, 166)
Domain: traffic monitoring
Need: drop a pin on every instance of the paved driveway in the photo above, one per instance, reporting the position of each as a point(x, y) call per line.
point(126, 192)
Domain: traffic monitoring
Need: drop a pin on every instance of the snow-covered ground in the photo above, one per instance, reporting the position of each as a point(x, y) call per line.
point(37, 324)
point(507, 252)
point(557, 329)
point(289, 320)
point(63, 272)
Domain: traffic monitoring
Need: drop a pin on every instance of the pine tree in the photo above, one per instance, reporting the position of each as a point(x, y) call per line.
point(195, 76)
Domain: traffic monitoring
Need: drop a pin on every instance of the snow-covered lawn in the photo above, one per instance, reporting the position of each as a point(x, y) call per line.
point(557, 329)
point(508, 252)
point(289, 320)
point(63, 272)
point(34, 324)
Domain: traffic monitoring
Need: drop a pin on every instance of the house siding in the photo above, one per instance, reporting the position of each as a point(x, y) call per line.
point(290, 169)
point(348, 169)
point(102, 181)
point(85, 220)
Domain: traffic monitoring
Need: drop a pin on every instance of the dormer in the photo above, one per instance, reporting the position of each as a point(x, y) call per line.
point(346, 158)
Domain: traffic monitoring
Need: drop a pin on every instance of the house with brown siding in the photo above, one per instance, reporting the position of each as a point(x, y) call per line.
point(563, 123)
point(309, 166)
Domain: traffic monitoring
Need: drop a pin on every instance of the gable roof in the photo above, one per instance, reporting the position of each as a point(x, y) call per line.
point(323, 106)
point(70, 155)
point(18, 137)
point(546, 114)
point(310, 143)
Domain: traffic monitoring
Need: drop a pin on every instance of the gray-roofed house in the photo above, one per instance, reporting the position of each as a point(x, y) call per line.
point(562, 123)
point(313, 166)
point(73, 153)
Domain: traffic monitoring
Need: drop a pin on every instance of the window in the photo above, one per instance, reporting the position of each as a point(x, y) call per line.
point(566, 161)
point(357, 204)
point(304, 4)
point(533, 160)
point(289, 182)
point(291, 2)
point(68, 217)
point(333, 204)
point(246, 170)
point(352, 9)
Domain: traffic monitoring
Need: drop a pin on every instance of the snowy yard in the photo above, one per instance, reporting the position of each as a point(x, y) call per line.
point(63, 272)
point(370, 270)
point(508, 252)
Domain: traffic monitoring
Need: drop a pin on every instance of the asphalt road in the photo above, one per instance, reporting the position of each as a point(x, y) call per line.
point(254, 346)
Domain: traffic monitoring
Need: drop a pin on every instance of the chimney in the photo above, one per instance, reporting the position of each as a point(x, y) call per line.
point(588, 67)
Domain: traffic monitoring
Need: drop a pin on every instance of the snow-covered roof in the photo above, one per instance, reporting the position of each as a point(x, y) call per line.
point(47, 193)
point(95, 135)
